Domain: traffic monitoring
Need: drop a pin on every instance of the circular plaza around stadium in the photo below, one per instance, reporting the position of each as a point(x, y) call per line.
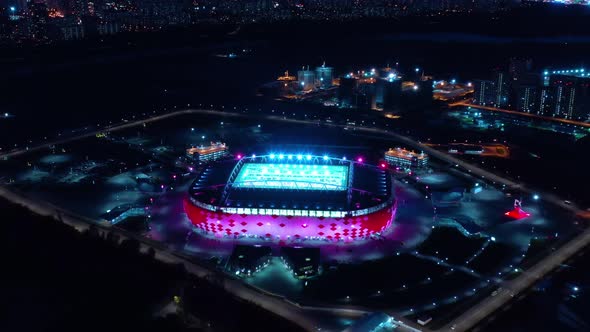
point(284, 197)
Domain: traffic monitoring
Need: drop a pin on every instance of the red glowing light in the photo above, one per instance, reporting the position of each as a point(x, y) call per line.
point(383, 165)
point(517, 213)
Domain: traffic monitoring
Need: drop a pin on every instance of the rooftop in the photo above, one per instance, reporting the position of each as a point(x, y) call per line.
point(214, 147)
point(406, 154)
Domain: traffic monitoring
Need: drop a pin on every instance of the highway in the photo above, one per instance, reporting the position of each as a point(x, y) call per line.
point(530, 115)
point(281, 306)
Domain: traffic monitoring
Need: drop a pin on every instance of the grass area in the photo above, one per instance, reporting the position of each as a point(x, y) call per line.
point(448, 242)
point(393, 281)
point(493, 258)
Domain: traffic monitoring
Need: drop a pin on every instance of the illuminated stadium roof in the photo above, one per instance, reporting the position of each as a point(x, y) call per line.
point(292, 176)
point(292, 197)
point(291, 185)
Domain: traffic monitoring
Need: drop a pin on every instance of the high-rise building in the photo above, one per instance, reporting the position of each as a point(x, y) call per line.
point(572, 96)
point(39, 19)
point(546, 101)
point(502, 86)
point(526, 98)
point(519, 68)
point(484, 92)
point(324, 76)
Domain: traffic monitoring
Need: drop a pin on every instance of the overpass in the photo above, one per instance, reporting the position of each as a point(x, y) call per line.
point(529, 115)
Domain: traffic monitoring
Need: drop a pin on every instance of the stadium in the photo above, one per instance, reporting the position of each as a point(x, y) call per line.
point(292, 198)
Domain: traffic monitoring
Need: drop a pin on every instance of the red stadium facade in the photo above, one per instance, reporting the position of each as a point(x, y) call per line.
point(297, 198)
point(279, 228)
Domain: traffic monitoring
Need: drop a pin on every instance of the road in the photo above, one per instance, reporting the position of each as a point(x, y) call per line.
point(292, 311)
point(530, 115)
point(512, 288)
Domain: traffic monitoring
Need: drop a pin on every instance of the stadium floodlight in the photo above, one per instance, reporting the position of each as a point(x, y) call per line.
point(290, 157)
point(325, 157)
point(272, 156)
point(308, 157)
point(281, 156)
point(344, 158)
point(299, 157)
point(535, 197)
point(253, 156)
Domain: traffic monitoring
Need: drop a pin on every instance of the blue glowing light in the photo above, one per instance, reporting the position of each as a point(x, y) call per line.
point(417, 69)
point(308, 157)
point(453, 81)
point(299, 157)
point(272, 156)
point(535, 197)
point(12, 9)
point(547, 73)
point(325, 157)
point(281, 156)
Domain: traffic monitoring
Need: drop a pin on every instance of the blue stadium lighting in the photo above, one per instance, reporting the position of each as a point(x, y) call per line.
point(253, 156)
point(308, 157)
point(344, 158)
point(12, 9)
point(536, 197)
point(417, 69)
point(272, 156)
point(299, 157)
point(575, 288)
point(281, 156)
point(290, 157)
point(582, 70)
point(453, 81)
point(547, 73)
point(325, 157)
